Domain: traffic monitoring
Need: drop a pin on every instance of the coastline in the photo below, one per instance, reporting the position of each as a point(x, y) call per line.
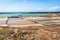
point(36, 27)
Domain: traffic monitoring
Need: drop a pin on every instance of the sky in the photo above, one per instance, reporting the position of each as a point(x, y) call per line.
point(29, 5)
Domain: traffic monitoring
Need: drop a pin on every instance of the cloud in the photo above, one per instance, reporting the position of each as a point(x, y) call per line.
point(54, 8)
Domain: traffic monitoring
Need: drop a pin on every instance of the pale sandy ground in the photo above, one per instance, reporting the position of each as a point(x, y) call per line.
point(27, 25)
point(14, 22)
point(3, 21)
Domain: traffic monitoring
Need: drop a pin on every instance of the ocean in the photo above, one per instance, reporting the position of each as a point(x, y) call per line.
point(22, 14)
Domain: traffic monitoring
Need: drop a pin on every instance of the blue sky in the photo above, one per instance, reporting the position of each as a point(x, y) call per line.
point(29, 5)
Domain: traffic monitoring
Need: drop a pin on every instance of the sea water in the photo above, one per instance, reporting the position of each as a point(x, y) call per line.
point(22, 14)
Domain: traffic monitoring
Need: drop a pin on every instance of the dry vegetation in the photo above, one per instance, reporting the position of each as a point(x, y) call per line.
point(30, 33)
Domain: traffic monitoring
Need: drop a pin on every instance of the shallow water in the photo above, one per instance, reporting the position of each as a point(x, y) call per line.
point(23, 14)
